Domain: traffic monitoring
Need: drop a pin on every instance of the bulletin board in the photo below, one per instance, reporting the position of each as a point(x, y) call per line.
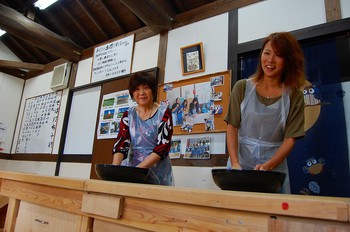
point(212, 92)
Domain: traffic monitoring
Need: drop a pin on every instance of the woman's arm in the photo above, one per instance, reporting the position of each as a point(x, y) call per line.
point(121, 146)
point(281, 154)
point(232, 145)
point(118, 158)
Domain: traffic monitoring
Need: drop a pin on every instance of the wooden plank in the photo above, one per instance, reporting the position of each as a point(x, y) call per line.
point(3, 201)
point(298, 224)
point(12, 212)
point(329, 208)
point(166, 216)
point(70, 183)
point(333, 10)
point(53, 197)
point(103, 205)
point(85, 224)
point(103, 226)
point(32, 217)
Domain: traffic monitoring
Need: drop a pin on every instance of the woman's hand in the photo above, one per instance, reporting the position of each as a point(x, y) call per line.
point(149, 161)
point(141, 165)
point(262, 167)
point(235, 165)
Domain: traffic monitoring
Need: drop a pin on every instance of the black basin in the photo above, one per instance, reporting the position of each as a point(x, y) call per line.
point(121, 173)
point(248, 180)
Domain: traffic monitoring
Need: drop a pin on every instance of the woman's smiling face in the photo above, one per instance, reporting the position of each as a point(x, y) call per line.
point(143, 95)
point(271, 63)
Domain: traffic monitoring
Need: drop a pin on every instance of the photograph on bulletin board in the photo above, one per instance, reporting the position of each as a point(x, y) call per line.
point(198, 105)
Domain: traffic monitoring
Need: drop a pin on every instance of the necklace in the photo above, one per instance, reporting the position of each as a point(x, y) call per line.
point(268, 92)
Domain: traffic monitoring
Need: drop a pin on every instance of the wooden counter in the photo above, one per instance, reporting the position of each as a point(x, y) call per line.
point(44, 203)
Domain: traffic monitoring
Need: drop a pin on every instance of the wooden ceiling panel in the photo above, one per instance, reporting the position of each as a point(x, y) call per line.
point(128, 19)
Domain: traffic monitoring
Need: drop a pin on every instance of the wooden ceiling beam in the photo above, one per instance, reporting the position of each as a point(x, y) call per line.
point(15, 72)
point(19, 26)
point(76, 23)
point(21, 65)
point(152, 14)
point(113, 18)
point(92, 18)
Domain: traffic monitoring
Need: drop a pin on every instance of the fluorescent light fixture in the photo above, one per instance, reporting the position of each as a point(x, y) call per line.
point(42, 4)
point(2, 32)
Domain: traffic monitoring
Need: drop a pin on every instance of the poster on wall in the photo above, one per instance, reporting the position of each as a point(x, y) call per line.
point(112, 108)
point(39, 123)
point(113, 59)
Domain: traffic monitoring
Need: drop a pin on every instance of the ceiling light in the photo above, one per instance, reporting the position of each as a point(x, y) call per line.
point(42, 4)
point(2, 32)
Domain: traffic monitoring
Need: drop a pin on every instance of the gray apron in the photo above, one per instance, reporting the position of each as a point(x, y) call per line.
point(262, 131)
point(144, 137)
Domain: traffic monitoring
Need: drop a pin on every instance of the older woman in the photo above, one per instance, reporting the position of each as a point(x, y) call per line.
point(145, 132)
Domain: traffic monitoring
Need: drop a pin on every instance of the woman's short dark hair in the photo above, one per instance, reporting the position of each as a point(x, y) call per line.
point(143, 78)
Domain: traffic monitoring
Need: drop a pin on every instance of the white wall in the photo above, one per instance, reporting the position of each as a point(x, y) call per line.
point(345, 8)
point(146, 54)
point(10, 98)
point(259, 20)
point(212, 32)
point(41, 168)
point(74, 170)
point(9, 86)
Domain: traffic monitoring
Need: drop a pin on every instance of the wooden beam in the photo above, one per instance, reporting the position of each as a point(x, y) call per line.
point(18, 25)
point(153, 15)
point(92, 17)
point(14, 72)
point(21, 65)
point(333, 10)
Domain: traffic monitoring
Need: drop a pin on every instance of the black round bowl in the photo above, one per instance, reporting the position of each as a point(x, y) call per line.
point(121, 173)
point(248, 180)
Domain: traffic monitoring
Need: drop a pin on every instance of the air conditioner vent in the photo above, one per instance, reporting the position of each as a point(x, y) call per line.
point(60, 77)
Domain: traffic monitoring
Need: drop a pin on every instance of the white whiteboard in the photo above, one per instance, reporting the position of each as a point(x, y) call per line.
point(39, 123)
point(113, 59)
point(82, 121)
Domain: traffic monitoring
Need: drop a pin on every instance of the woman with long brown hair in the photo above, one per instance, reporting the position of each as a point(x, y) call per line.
point(266, 111)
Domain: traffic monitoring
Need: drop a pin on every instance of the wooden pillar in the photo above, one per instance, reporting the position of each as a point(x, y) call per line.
point(333, 11)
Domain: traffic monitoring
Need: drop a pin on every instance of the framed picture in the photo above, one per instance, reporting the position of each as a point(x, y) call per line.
point(192, 59)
